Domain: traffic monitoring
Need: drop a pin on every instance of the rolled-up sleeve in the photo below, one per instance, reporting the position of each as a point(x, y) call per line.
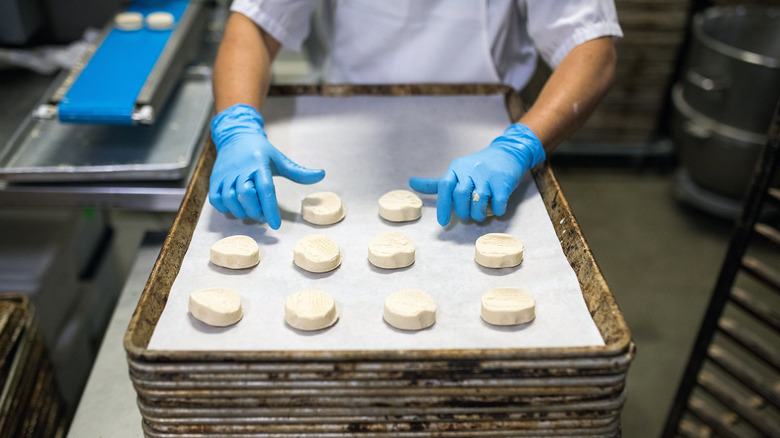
point(288, 21)
point(556, 27)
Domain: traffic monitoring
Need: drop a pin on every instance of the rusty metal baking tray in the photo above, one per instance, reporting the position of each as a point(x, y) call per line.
point(575, 391)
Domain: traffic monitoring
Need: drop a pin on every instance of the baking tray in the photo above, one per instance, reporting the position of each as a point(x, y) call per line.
point(379, 370)
point(29, 402)
point(13, 313)
point(592, 418)
point(250, 414)
point(370, 144)
point(46, 150)
point(595, 291)
point(613, 358)
point(471, 425)
point(604, 432)
point(258, 384)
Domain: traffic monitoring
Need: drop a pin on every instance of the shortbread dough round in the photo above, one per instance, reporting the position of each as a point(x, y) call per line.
point(400, 206)
point(498, 250)
point(508, 306)
point(391, 251)
point(235, 252)
point(317, 253)
point(409, 309)
point(129, 20)
point(216, 306)
point(310, 309)
point(159, 20)
point(322, 208)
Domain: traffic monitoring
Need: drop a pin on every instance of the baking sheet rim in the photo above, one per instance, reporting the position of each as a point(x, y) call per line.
point(616, 337)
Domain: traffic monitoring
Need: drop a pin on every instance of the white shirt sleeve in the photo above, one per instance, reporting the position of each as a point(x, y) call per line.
point(556, 27)
point(288, 21)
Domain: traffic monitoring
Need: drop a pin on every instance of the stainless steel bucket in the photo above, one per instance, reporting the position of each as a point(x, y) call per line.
point(718, 158)
point(732, 72)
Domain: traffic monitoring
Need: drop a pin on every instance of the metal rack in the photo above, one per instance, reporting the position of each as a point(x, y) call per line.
point(731, 386)
point(30, 404)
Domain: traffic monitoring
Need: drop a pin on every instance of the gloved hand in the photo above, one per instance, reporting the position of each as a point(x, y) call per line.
point(241, 181)
point(490, 174)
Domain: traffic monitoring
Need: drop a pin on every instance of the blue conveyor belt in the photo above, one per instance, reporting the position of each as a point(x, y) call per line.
point(107, 88)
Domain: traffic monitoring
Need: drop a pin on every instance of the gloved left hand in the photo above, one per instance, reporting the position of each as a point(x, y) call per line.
point(241, 181)
point(490, 174)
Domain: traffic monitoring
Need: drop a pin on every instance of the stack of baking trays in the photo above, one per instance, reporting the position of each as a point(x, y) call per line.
point(30, 405)
point(561, 375)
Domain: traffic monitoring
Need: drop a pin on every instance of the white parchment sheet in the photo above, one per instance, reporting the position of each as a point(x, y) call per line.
point(370, 145)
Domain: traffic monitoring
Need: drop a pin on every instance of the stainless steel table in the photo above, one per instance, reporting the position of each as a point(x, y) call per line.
point(57, 165)
point(107, 407)
point(158, 196)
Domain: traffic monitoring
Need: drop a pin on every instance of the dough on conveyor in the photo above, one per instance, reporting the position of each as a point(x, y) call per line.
point(159, 20)
point(400, 206)
point(235, 252)
point(310, 310)
point(391, 251)
point(129, 20)
point(409, 309)
point(317, 253)
point(217, 306)
point(498, 250)
point(322, 208)
point(508, 306)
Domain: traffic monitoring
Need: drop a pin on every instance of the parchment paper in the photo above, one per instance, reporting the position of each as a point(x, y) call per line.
point(370, 145)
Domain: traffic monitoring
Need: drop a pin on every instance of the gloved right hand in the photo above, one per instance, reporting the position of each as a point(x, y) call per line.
point(491, 174)
point(241, 181)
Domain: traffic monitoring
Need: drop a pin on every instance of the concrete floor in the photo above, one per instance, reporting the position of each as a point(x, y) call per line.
point(661, 260)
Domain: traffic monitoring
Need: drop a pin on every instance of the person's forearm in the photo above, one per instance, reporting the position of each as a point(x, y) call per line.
point(572, 92)
point(242, 70)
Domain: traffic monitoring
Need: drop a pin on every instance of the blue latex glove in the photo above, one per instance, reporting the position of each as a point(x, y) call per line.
point(490, 174)
point(241, 181)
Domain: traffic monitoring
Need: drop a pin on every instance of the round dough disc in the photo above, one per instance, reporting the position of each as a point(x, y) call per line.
point(400, 206)
point(159, 20)
point(409, 309)
point(129, 20)
point(235, 252)
point(322, 208)
point(217, 306)
point(317, 253)
point(310, 310)
point(508, 306)
point(498, 250)
point(391, 251)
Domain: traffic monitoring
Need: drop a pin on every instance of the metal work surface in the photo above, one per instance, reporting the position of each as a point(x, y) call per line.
point(160, 196)
point(46, 150)
point(157, 186)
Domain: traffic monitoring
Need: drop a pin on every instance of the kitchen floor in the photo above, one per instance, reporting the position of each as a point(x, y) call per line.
point(661, 259)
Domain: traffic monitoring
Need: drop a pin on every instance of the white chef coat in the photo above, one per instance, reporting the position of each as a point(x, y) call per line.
point(444, 41)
